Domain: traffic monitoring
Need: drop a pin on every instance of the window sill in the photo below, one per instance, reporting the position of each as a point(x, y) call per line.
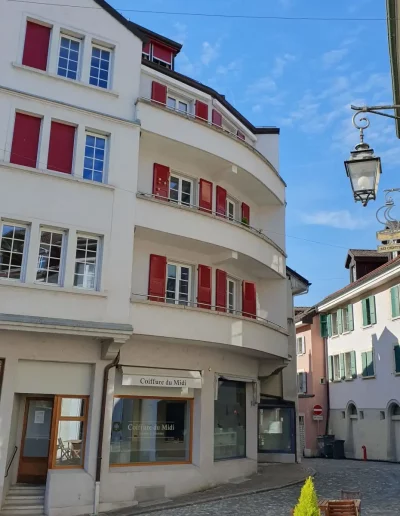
point(368, 326)
point(148, 468)
point(112, 93)
point(368, 377)
point(55, 288)
point(346, 332)
point(335, 336)
point(349, 379)
point(397, 374)
point(336, 381)
point(396, 318)
point(59, 175)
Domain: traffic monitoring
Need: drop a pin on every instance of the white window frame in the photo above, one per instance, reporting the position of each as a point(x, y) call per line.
point(336, 367)
point(181, 178)
point(335, 331)
point(235, 283)
point(347, 365)
point(78, 66)
point(301, 383)
point(180, 98)
point(61, 274)
point(345, 319)
point(105, 162)
point(5, 222)
point(110, 65)
point(179, 267)
point(228, 126)
point(99, 255)
point(300, 349)
point(231, 202)
point(161, 60)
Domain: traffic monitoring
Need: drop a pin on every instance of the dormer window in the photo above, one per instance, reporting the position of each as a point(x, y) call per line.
point(159, 54)
point(146, 51)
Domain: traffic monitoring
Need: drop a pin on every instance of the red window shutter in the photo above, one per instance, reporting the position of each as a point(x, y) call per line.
point(36, 48)
point(162, 53)
point(146, 48)
point(241, 136)
point(201, 110)
point(61, 147)
point(204, 287)
point(158, 92)
point(246, 213)
point(205, 195)
point(157, 277)
point(221, 201)
point(25, 142)
point(220, 290)
point(216, 118)
point(249, 307)
point(161, 181)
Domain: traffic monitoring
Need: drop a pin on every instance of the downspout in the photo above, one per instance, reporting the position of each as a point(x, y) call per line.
point(328, 409)
point(107, 369)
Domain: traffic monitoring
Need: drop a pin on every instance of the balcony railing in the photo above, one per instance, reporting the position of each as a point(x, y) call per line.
point(191, 116)
point(210, 213)
point(216, 310)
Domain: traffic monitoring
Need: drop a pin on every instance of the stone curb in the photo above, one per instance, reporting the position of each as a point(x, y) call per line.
point(148, 510)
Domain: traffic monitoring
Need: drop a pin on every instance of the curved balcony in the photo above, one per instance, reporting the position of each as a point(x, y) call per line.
point(225, 240)
point(205, 327)
point(185, 129)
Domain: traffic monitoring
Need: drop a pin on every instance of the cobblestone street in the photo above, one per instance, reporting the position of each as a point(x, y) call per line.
point(379, 484)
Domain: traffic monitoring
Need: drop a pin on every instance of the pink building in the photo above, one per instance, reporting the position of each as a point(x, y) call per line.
point(312, 383)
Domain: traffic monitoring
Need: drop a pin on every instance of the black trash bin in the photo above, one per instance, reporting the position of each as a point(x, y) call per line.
point(338, 449)
point(325, 444)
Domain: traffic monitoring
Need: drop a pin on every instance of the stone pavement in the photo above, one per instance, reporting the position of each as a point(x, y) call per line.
point(378, 482)
point(268, 477)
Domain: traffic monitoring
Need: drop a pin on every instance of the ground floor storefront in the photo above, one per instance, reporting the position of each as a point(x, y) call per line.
point(171, 419)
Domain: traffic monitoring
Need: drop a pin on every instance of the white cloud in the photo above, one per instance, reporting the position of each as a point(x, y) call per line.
point(262, 85)
point(186, 66)
point(333, 57)
point(209, 52)
point(181, 32)
point(232, 67)
point(342, 219)
point(257, 108)
point(280, 64)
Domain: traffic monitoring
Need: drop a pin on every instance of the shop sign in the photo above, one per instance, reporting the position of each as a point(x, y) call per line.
point(162, 381)
point(388, 248)
point(388, 235)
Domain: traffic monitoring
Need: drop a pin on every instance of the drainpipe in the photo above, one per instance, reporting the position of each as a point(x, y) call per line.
point(328, 411)
point(107, 369)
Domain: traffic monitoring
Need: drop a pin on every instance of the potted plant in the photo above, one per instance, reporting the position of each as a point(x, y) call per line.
point(308, 502)
point(245, 221)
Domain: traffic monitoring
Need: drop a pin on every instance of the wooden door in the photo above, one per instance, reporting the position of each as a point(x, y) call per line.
point(35, 442)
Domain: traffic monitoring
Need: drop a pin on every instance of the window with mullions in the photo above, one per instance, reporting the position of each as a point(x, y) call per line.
point(68, 60)
point(180, 190)
point(100, 67)
point(230, 209)
point(177, 105)
point(94, 164)
point(49, 266)
point(86, 262)
point(178, 284)
point(12, 251)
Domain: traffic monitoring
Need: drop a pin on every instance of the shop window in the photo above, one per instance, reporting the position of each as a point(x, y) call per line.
point(70, 422)
point(275, 430)
point(151, 431)
point(230, 420)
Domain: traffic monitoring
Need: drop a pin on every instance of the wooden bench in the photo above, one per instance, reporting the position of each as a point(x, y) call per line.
point(340, 507)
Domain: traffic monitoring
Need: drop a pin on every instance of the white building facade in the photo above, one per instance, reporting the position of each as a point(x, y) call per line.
point(362, 326)
point(145, 304)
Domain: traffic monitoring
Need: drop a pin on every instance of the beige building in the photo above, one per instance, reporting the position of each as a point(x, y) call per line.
point(146, 310)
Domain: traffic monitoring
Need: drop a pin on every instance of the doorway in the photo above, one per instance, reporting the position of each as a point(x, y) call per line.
point(35, 442)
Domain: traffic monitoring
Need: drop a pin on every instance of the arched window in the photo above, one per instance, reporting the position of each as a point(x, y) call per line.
point(352, 409)
point(395, 409)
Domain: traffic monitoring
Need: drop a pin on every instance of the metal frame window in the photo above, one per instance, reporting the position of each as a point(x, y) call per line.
point(100, 67)
point(13, 251)
point(50, 257)
point(230, 209)
point(95, 157)
point(178, 284)
point(231, 295)
point(69, 56)
point(87, 260)
point(180, 190)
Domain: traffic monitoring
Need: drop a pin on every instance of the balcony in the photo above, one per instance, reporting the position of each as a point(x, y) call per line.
point(205, 327)
point(225, 241)
point(254, 172)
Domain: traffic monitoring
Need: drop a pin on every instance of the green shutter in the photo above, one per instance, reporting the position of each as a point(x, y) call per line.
point(364, 312)
point(397, 358)
point(350, 317)
point(394, 292)
point(372, 309)
point(341, 366)
point(329, 324)
point(353, 364)
point(340, 321)
point(330, 368)
point(323, 325)
point(364, 364)
point(370, 363)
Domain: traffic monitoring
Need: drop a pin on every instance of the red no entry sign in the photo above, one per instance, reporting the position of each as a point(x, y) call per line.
point(317, 410)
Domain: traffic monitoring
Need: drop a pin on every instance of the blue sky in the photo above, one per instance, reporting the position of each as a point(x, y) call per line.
point(300, 76)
